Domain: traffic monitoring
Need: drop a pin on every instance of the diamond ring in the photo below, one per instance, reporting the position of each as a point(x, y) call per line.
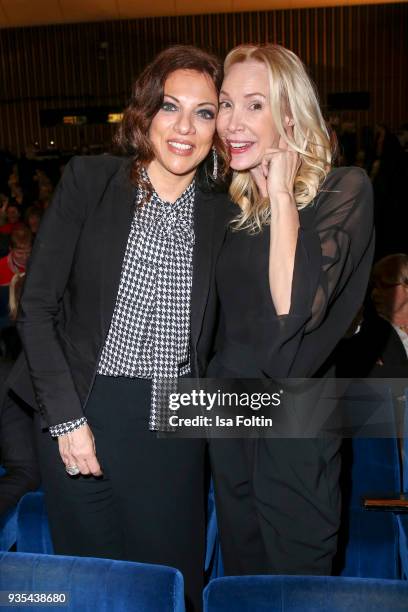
point(72, 470)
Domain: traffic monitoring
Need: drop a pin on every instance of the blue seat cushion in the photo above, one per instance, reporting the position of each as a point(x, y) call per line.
point(304, 594)
point(94, 584)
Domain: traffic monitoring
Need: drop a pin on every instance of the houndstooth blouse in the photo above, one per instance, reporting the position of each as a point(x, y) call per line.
point(150, 328)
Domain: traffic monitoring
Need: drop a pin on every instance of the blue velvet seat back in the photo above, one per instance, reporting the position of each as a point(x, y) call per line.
point(403, 542)
point(403, 518)
point(368, 540)
point(100, 585)
point(33, 533)
point(304, 594)
point(8, 529)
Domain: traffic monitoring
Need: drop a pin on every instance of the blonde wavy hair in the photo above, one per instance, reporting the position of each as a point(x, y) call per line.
point(292, 94)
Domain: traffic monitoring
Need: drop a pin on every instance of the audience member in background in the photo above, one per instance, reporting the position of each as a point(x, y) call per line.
point(10, 343)
point(16, 260)
point(45, 187)
point(20, 199)
point(12, 180)
point(4, 202)
point(4, 238)
point(45, 195)
point(13, 221)
point(380, 348)
point(17, 453)
point(33, 219)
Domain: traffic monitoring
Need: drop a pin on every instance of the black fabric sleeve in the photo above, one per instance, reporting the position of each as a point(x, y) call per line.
point(47, 276)
point(328, 259)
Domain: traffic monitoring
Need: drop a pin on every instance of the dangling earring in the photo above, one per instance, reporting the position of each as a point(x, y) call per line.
point(215, 164)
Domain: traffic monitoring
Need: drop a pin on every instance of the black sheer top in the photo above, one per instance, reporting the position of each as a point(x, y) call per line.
point(332, 265)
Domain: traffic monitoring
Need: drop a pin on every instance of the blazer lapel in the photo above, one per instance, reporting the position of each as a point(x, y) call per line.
point(119, 199)
point(204, 216)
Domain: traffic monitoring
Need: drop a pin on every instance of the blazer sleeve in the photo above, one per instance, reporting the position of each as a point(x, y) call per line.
point(47, 276)
point(332, 266)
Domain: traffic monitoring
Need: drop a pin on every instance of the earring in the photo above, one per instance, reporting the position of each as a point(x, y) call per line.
point(215, 164)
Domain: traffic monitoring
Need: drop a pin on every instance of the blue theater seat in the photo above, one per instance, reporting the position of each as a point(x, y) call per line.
point(33, 533)
point(403, 542)
point(93, 585)
point(368, 540)
point(403, 518)
point(26, 526)
point(305, 594)
point(8, 529)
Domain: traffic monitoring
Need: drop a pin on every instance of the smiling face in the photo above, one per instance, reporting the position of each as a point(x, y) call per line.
point(245, 120)
point(183, 129)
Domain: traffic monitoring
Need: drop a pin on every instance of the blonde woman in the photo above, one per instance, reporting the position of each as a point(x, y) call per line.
point(291, 276)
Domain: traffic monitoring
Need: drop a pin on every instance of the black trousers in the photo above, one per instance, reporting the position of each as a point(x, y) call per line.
point(278, 504)
point(149, 506)
point(17, 454)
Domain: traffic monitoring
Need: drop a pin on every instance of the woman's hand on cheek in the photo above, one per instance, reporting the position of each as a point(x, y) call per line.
point(280, 167)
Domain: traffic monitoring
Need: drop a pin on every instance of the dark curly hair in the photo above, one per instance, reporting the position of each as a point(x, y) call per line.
point(132, 137)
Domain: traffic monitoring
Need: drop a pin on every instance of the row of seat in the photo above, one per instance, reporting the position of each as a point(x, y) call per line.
point(84, 584)
point(372, 545)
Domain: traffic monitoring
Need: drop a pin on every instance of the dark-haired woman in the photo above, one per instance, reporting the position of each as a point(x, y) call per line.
point(118, 296)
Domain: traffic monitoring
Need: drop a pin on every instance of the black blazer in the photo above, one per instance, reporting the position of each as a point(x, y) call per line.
point(376, 351)
point(73, 279)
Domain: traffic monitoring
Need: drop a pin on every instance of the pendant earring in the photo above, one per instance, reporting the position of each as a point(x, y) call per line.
point(215, 164)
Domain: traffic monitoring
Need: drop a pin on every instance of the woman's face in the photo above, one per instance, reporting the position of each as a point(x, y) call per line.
point(245, 119)
point(183, 129)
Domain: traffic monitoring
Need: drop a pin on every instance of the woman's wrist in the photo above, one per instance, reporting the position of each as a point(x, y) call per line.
point(281, 196)
point(282, 203)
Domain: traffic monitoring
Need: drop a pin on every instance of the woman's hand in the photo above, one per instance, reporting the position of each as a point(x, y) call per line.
point(78, 448)
point(279, 167)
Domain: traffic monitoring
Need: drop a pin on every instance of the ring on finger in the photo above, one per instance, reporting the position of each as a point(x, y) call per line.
point(72, 470)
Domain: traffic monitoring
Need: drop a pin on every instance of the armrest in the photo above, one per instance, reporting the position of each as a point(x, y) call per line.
point(388, 503)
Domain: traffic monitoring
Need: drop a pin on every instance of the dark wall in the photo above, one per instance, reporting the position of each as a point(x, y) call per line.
point(359, 48)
